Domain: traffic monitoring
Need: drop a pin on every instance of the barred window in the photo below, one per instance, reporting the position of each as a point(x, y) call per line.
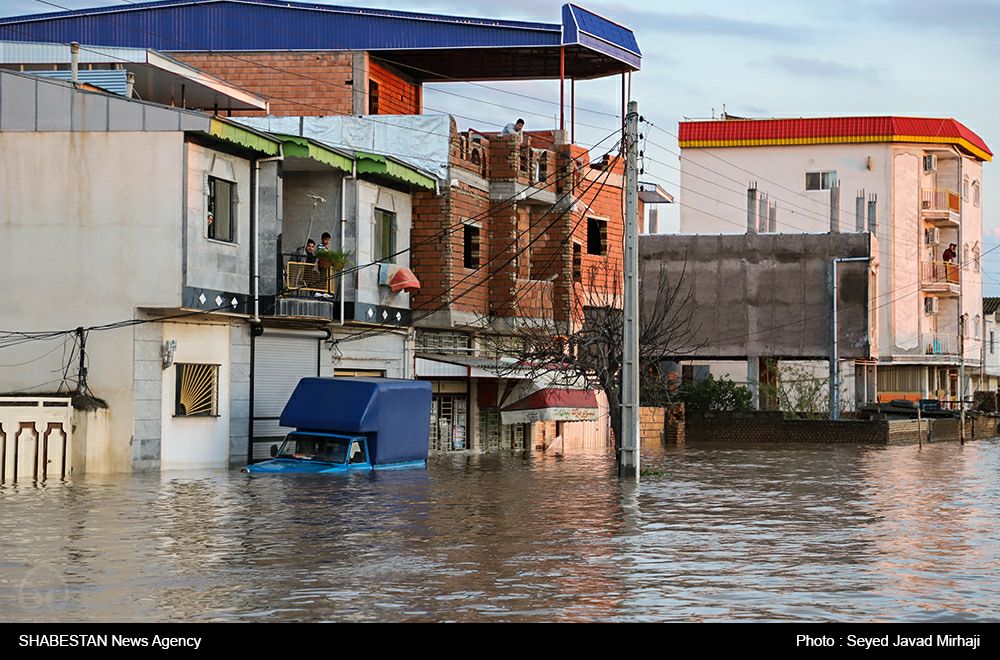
point(196, 392)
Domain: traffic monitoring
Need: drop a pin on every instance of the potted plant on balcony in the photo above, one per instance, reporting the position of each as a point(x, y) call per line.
point(335, 260)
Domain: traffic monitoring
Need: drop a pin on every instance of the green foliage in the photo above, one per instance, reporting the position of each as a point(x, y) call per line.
point(334, 259)
point(799, 392)
point(714, 394)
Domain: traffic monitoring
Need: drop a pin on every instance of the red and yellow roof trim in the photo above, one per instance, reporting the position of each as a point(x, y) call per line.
point(833, 130)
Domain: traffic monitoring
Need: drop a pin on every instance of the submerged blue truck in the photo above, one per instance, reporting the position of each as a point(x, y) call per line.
point(349, 424)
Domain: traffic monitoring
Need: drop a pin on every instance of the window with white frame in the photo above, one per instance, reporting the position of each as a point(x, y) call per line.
point(975, 193)
point(221, 210)
point(821, 180)
point(384, 237)
point(977, 328)
point(965, 188)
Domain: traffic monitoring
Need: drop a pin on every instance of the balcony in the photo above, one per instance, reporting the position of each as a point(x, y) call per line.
point(940, 277)
point(940, 206)
point(309, 290)
point(937, 344)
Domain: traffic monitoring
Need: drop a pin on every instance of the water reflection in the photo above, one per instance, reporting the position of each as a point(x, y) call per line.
point(721, 533)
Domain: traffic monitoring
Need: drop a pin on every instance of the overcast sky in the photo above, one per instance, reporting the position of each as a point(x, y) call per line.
point(779, 58)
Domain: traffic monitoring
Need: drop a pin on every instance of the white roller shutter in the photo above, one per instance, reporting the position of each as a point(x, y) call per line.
point(280, 361)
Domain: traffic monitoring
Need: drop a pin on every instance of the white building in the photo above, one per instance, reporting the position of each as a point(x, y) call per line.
point(915, 183)
point(104, 218)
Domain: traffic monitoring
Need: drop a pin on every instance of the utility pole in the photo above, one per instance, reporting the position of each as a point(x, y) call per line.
point(628, 467)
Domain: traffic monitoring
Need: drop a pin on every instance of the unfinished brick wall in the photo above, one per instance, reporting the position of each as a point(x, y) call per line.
point(673, 431)
point(310, 84)
point(397, 94)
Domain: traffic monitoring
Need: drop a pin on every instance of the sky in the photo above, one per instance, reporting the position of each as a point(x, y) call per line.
point(771, 58)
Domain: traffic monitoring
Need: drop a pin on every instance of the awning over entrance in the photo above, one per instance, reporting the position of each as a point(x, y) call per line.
point(552, 404)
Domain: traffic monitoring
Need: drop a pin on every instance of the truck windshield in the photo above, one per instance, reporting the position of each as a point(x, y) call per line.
point(314, 448)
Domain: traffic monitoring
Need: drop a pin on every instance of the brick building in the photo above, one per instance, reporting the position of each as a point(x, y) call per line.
point(520, 229)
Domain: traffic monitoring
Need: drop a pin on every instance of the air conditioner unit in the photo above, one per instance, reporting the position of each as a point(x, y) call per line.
point(930, 305)
point(932, 236)
point(930, 163)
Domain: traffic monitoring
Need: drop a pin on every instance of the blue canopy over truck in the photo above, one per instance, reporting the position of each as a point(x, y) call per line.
point(353, 423)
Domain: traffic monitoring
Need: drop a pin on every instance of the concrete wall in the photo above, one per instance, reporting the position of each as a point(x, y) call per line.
point(298, 207)
point(765, 295)
point(369, 198)
point(212, 264)
point(385, 351)
point(108, 241)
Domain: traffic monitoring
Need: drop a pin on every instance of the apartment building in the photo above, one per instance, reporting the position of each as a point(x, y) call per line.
point(914, 184)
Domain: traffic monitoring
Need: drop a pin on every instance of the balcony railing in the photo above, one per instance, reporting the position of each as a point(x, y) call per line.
point(939, 272)
point(307, 279)
point(936, 344)
point(940, 199)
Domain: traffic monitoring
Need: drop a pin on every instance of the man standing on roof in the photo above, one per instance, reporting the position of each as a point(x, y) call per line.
point(514, 129)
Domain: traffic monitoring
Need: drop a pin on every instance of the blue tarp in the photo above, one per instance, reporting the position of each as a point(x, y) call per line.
point(394, 414)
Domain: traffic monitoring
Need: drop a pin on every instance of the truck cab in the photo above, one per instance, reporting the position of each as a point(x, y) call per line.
point(316, 452)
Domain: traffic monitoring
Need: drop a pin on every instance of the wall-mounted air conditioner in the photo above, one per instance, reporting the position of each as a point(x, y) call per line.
point(932, 236)
point(930, 163)
point(930, 305)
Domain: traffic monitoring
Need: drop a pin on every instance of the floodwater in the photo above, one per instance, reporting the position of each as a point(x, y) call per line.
point(717, 533)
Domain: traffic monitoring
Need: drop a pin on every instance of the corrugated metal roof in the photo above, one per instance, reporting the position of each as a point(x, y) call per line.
point(110, 80)
point(831, 130)
point(32, 52)
point(990, 305)
point(262, 25)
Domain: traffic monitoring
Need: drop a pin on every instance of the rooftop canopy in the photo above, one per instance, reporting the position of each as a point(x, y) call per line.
point(831, 130)
point(430, 47)
point(158, 78)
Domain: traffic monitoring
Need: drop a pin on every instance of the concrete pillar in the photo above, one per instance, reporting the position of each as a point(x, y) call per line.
point(872, 385)
point(753, 379)
point(752, 209)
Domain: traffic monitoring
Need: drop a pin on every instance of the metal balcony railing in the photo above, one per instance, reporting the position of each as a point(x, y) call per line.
point(940, 199)
point(939, 272)
point(938, 344)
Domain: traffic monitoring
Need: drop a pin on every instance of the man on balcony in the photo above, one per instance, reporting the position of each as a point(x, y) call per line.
point(950, 253)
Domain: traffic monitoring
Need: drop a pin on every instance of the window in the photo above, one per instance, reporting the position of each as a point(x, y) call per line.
point(976, 259)
point(975, 193)
point(471, 246)
point(372, 97)
point(977, 328)
point(577, 262)
point(965, 188)
point(196, 391)
point(221, 210)
point(384, 250)
point(821, 180)
point(597, 236)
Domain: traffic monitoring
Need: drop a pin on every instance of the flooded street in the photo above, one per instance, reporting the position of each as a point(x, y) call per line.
point(814, 533)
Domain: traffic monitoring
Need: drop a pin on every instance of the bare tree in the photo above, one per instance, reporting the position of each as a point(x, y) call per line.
point(590, 354)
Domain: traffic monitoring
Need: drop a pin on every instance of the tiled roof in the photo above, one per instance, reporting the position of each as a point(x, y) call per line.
point(831, 130)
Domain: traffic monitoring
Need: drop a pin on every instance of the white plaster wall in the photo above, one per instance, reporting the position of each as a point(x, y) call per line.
point(972, 235)
point(385, 351)
point(906, 237)
point(714, 184)
point(89, 230)
point(370, 197)
point(196, 442)
point(215, 264)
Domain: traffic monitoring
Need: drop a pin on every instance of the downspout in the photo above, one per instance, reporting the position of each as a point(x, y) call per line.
point(343, 224)
point(254, 238)
point(255, 289)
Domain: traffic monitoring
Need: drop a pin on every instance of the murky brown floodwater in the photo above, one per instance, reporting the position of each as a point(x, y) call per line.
point(724, 533)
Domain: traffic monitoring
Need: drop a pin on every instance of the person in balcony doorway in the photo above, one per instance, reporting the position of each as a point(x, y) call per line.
point(324, 242)
point(950, 253)
point(310, 257)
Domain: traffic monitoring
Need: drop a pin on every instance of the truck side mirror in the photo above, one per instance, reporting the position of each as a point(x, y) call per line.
point(274, 450)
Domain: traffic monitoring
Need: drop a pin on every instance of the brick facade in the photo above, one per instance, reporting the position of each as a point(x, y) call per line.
point(312, 83)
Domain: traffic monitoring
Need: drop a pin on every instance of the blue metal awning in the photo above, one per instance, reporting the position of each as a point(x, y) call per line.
point(431, 47)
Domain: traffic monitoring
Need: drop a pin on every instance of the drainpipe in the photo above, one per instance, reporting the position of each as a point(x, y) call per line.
point(343, 224)
point(834, 352)
point(254, 238)
point(74, 61)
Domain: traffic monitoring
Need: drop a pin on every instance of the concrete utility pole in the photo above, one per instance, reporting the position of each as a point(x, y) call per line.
point(834, 349)
point(629, 466)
